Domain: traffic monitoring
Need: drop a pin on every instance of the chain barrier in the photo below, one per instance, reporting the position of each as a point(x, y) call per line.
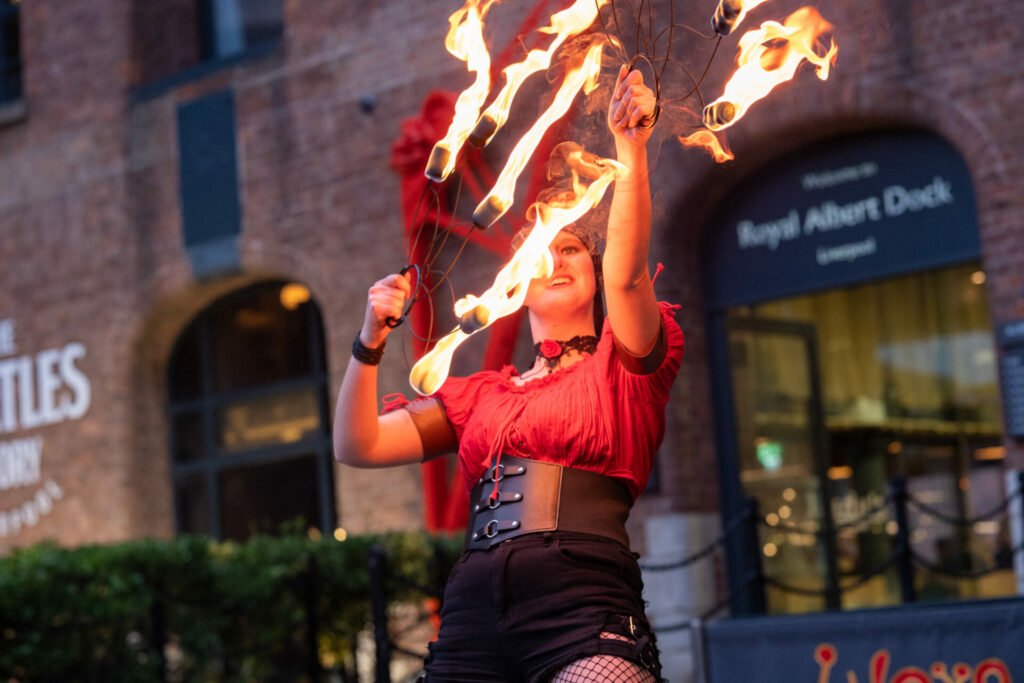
point(966, 522)
point(882, 567)
point(934, 568)
point(816, 530)
point(705, 552)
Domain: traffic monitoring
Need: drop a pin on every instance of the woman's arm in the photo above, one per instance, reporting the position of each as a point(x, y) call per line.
point(362, 438)
point(629, 292)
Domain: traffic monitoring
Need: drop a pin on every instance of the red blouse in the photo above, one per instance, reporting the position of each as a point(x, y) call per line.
point(594, 415)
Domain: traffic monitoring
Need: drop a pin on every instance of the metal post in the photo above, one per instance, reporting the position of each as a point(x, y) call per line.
point(158, 631)
point(378, 567)
point(310, 586)
point(754, 578)
point(1016, 515)
point(898, 488)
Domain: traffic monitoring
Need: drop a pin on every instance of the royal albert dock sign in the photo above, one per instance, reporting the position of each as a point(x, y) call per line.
point(36, 390)
point(854, 209)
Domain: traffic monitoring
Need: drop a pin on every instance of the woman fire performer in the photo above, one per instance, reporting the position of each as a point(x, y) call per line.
point(547, 589)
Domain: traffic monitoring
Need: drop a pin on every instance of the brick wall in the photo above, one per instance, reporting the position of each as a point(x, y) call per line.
point(90, 224)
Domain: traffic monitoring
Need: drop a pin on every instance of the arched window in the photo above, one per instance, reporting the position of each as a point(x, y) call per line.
point(248, 409)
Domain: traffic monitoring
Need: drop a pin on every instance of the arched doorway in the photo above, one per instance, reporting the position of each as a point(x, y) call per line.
point(247, 397)
point(851, 343)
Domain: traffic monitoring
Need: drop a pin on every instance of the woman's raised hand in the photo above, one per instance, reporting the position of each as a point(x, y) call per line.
point(386, 299)
point(632, 103)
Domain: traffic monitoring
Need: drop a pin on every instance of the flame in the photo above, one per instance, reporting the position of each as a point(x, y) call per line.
point(730, 13)
point(531, 260)
point(765, 63)
point(706, 139)
point(581, 74)
point(465, 40)
point(569, 22)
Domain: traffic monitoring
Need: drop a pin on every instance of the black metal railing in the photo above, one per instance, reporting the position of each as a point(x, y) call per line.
point(903, 557)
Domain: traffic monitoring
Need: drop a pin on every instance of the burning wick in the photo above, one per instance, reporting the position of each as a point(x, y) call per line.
point(725, 16)
point(718, 115)
point(437, 163)
point(465, 41)
point(569, 22)
point(582, 74)
point(475, 319)
point(730, 13)
point(485, 129)
point(768, 57)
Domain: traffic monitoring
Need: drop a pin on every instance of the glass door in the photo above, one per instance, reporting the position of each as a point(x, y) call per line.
point(781, 447)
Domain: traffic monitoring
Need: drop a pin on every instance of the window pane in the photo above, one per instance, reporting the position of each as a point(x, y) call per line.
point(263, 20)
point(237, 25)
point(269, 420)
point(193, 505)
point(262, 498)
point(257, 340)
point(185, 373)
point(10, 51)
point(778, 451)
point(188, 437)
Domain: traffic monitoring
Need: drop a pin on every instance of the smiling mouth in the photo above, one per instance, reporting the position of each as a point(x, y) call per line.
point(560, 282)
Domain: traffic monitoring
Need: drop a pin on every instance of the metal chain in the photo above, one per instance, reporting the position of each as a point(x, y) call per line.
point(818, 531)
point(700, 554)
point(964, 521)
point(956, 573)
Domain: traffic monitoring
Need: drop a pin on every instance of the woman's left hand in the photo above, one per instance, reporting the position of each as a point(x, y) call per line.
point(632, 103)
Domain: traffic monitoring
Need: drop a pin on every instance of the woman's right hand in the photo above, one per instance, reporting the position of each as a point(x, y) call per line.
point(386, 299)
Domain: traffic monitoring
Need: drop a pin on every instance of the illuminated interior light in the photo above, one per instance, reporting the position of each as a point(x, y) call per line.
point(989, 527)
point(770, 550)
point(789, 494)
point(785, 512)
point(340, 534)
point(294, 295)
point(771, 519)
point(840, 473)
point(894, 448)
point(978, 277)
point(991, 453)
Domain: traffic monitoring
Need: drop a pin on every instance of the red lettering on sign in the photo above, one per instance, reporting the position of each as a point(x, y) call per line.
point(991, 670)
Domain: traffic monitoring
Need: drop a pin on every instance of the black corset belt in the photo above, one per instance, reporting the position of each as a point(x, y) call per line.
point(541, 496)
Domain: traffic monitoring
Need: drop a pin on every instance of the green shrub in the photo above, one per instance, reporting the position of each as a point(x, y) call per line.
point(226, 611)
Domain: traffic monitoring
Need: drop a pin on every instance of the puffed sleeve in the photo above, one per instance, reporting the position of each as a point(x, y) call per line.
point(650, 378)
point(459, 397)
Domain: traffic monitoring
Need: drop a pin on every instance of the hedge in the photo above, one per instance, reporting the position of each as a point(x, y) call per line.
point(223, 611)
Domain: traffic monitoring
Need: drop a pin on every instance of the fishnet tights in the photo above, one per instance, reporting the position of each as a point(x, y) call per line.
point(604, 668)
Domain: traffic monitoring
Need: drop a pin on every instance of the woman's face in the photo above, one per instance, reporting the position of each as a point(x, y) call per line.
point(572, 284)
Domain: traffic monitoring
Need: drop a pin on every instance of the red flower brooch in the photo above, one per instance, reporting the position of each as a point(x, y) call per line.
point(549, 348)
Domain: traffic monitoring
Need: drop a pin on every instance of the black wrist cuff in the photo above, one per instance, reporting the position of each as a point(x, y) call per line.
point(364, 354)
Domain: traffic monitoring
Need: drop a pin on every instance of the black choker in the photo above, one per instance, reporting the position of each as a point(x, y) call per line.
point(552, 350)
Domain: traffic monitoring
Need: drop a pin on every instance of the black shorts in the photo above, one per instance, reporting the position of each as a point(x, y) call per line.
point(531, 605)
